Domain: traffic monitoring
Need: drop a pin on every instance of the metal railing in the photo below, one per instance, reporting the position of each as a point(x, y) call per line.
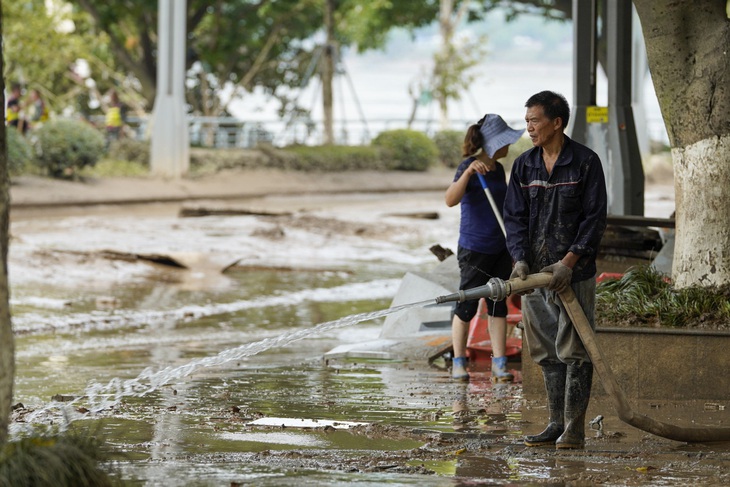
point(230, 132)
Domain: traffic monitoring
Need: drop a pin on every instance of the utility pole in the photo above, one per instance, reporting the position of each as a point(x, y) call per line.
point(170, 152)
point(328, 71)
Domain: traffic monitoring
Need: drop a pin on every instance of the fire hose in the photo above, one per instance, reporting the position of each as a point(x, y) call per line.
point(497, 289)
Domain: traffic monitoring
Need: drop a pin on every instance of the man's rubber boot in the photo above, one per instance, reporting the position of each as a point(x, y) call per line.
point(499, 370)
point(554, 376)
point(458, 368)
point(577, 395)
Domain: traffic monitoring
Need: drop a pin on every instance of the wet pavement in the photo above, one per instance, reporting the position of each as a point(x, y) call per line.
point(177, 368)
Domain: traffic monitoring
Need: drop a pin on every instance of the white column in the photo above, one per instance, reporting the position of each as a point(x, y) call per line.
point(169, 156)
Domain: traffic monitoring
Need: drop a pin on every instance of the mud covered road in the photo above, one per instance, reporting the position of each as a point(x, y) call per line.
point(92, 308)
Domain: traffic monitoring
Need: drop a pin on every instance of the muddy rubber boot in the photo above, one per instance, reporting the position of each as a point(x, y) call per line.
point(577, 395)
point(458, 369)
point(499, 370)
point(554, 376)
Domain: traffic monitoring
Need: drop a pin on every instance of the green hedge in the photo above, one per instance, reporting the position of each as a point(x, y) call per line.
point(407, 150)
point(126, 149)
point(336, 158)
point(522, 145)
point(20, 152)
point(448, 143)
point(66, 146)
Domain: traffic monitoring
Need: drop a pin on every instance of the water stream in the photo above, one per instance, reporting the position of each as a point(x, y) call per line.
point(104, 396)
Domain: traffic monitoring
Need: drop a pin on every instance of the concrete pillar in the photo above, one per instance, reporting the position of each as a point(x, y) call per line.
point(170, 152)
point(588, 122)
point(609, 131)
point(626, 181)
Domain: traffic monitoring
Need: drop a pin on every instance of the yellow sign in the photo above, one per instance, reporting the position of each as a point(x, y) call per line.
point(596, 114)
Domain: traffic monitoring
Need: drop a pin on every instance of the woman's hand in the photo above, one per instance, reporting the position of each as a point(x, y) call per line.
point(478, 166)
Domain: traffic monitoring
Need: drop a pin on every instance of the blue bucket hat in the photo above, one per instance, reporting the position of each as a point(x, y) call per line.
point(497, 133)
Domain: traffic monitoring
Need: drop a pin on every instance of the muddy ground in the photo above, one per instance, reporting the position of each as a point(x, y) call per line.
point(90, 304)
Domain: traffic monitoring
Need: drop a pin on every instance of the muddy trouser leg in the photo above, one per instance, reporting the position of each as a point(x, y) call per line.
point(556, 347)
point(540, 317)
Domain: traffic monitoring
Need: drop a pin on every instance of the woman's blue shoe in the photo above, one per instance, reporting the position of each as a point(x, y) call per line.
point(499, 370)
point(458, 368)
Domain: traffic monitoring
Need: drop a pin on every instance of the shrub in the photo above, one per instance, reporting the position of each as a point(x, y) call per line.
point(131, 150)
point(522, 145)
point(20, 152)
point(335, 158)
point(65, 146)
point(448, 143)
point(407, 150)
point(277, 158)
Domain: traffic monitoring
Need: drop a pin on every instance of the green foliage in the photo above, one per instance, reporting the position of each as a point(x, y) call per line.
point(523, 144)
point(114, 168)
point(408, 150)
point(336, 158)
point(324, 158)
point(643, 296)
point(69, 460)
point(131, 150)
point(39, 51)
point(210, 161)
point(366, 23)
point(66, 146)
point(20, 152)
point(448, 143)
point(236, 44)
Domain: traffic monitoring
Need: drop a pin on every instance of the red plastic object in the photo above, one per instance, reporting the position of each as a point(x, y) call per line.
point(608, 275)
point(479, 344)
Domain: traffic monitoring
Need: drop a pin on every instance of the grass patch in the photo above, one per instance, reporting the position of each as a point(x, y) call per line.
point(644, 297)
point(110, 168)
point(71, 459)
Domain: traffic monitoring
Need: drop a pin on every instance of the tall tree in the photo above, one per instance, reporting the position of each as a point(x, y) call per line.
point(233, 46)
point(455, 58)
point(42, 44)
point(687, 44)
point(7, 341)
point(366, 24)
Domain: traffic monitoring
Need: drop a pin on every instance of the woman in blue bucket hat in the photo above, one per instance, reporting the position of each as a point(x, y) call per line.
point(480, 186)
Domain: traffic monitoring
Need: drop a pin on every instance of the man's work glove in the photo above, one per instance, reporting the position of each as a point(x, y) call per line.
point(562, 275)
point(521, 270)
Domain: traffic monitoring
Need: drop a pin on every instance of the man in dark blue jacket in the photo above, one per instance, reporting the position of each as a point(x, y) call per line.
point(555, 216)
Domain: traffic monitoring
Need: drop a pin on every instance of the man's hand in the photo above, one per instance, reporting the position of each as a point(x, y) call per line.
point(521, 270)
point(562, 275)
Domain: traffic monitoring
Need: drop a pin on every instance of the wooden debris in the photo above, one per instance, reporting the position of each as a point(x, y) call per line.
point(440, 252)
point(201, 210)
point(423, 215)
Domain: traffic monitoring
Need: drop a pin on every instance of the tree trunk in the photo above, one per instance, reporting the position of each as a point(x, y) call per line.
point(7, 341)
point(446, 28)
point(702, 242)
point(686, 45)
point(328, 69)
